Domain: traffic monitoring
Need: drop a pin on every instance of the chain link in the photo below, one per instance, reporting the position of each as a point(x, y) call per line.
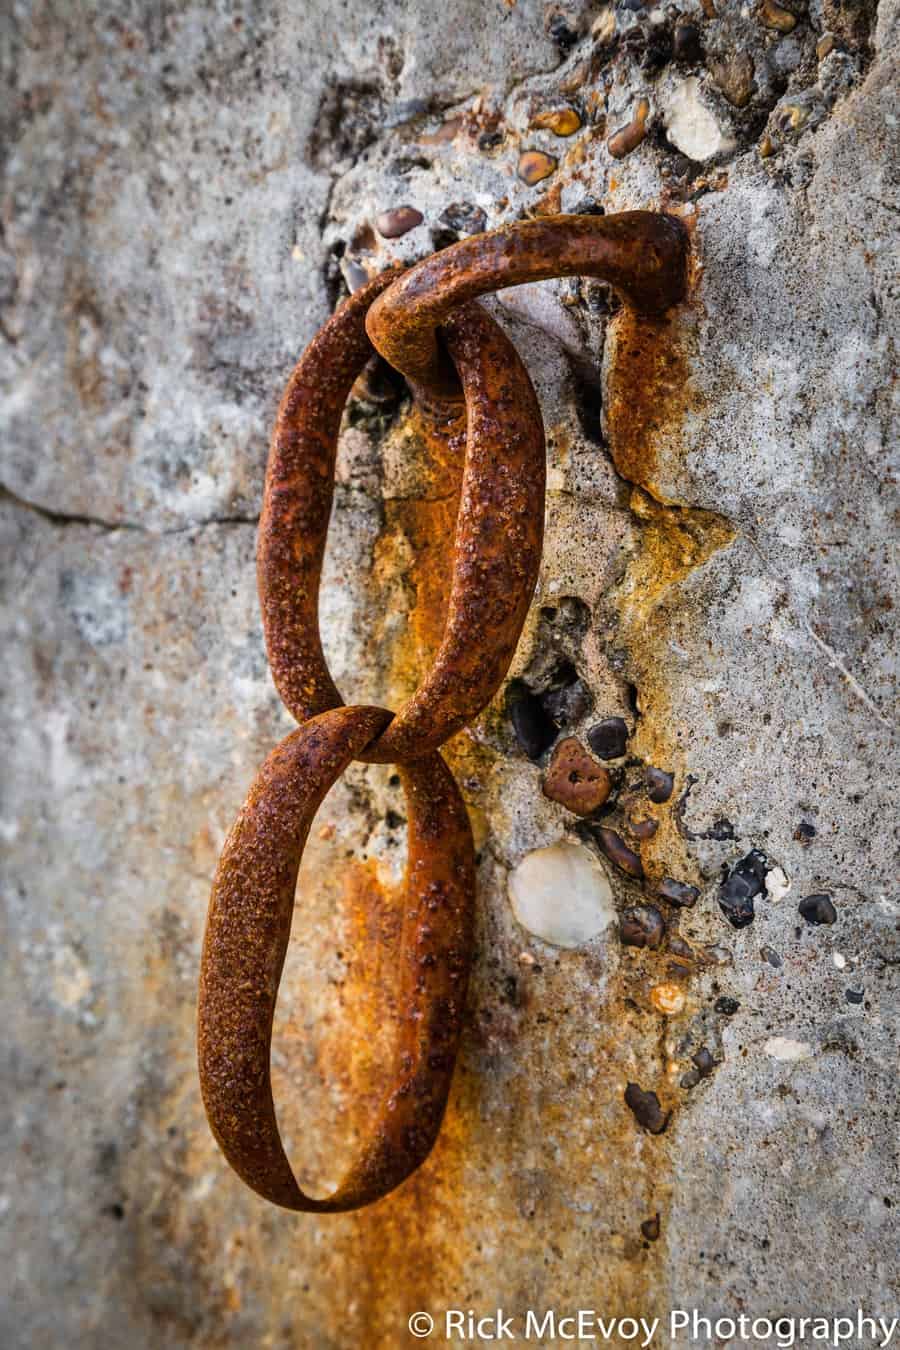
point(495, 561)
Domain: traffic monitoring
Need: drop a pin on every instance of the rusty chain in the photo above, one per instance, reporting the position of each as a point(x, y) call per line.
point(455, 358)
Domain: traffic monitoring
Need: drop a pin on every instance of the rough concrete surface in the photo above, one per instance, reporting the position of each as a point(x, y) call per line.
point(187, 191)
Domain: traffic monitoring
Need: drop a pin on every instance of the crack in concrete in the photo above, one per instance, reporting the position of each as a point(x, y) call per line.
point(63, 518)
point(834, 658)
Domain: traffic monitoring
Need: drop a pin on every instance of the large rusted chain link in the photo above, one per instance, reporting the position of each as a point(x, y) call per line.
point(246, 939)
point(422, 321)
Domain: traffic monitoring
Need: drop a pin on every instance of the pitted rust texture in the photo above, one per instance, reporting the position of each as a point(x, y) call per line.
point(247, 933)
point(297, 504)
point(642, 254)
point(499, 529)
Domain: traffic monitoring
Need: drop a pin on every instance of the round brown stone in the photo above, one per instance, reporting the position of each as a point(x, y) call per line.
point(576, 779)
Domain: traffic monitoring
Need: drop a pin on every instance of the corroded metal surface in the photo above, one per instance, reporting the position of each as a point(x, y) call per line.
point(642, 254)
point(495, 560)
point(247, 934)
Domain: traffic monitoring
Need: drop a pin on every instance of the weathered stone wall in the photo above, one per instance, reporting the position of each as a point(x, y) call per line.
point(187, 191)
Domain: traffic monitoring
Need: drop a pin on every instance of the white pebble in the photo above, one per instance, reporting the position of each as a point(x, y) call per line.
point(782, 1047)
point(562, 894)
point(777, 883)
point(690, 125)
point(839, 960)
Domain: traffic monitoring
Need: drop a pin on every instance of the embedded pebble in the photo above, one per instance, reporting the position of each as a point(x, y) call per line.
point(774, 16)
point(854, 995)
point(646, 1108)
point(703, 1062)
point(839, 960)
point(562, 34)
point(490, 140)
point(629, 137)
point(534, 166)
point(690, 125)
point(818, 909)
point(618, 852)
point(805, 833)
point(682, 952)
point(463, 217)
point(568, 697)
point(576, 779)
point(786, 1049)
point(687, 48)
point(643, 829)
point(677, 892)
point(777, 884)
point(659, 784)
point(734, 75)
point(726, 1006)
point(720, 956)
point(740, 888)
point(668, 998)
point(561, 121)
point(561, 894)
point(609, 738)
point(393, 224)
point(650, 1228)
point(642, 926)
point(771, 956)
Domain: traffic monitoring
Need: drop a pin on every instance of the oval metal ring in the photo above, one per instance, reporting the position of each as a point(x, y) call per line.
point(642, 254)
point(247, 932)
point(499, 529)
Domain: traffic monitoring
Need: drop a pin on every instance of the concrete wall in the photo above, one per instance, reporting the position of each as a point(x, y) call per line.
point(187, 190)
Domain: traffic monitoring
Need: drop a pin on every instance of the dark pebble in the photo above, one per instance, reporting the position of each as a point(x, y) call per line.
point(643, 829)
point(726, 1006)
point(703, 1062)
point(393, 224)
point(818, 909)
point(646, 1108)
point(741, 886)
point(690, 1079)
point(489, 140)
point(535, 730)
point(464, 218)
point(721, 831)
point(560, 32)
point(568, 698)
point(682, 951)
point(642, 926)
point(854, 995)
point(805, 833)
point(659, 784)
point(686, 45)
point(618, 852)
point(609, 738)
point(772, 957)
point(677, 892)
point(650, 1228)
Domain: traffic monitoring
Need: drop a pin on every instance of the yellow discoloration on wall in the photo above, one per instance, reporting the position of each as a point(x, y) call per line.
point(672, 543)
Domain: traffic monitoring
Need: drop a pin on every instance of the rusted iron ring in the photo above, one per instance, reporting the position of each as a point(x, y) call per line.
point(246, 939)
point(499, 527)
